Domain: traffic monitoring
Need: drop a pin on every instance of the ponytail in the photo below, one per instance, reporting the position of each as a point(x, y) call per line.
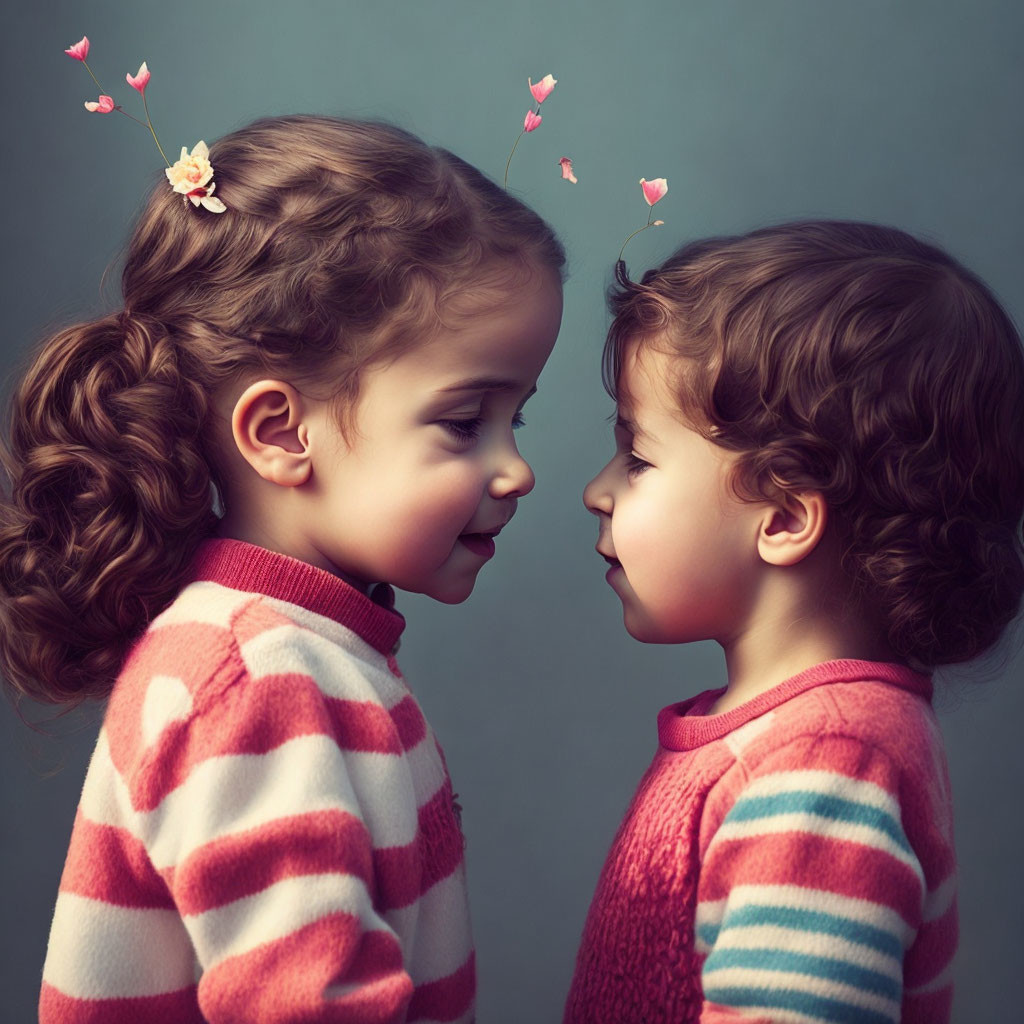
point(110, 495)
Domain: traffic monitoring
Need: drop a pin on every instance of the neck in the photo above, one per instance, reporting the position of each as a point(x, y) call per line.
point(793, 630)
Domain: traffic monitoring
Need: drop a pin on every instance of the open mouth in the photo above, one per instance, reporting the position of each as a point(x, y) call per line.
point(480, 543)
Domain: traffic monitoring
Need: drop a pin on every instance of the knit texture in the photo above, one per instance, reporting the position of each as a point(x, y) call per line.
point(790, 860)
point(267, 830)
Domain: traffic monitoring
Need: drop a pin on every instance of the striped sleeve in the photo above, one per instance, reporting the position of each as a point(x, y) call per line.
point(246, 803)
point(271, 867)
point(810, 893)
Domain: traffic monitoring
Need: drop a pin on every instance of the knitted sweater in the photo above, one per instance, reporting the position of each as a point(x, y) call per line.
point(789, 860)
point(267, 830)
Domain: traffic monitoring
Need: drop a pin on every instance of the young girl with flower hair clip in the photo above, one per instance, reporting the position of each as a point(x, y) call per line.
point(820, 466)
point(340, 356)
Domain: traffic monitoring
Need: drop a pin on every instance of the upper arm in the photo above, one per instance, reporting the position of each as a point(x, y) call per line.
point(810, 893)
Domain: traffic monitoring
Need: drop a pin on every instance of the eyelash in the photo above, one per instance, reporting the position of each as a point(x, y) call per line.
point(635, 465)
point(469, 430)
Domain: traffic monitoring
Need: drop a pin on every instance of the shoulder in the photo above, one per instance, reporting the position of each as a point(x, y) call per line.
point(237, 670)
point(850, 746)
point(834, 719)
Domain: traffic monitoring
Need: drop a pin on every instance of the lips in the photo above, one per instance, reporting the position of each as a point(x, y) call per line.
point(482, 542)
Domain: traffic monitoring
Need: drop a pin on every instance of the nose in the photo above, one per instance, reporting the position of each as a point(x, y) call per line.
point(513, 478)
point(597, 495)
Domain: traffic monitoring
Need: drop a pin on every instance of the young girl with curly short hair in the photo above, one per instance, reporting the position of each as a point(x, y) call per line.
point(337, 350)
point(820, 465)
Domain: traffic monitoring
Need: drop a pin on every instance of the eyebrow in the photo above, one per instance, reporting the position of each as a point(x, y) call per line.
point(632, 429)
point(486, 384)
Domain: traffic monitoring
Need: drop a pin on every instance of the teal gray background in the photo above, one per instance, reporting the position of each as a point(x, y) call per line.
point(756, 111)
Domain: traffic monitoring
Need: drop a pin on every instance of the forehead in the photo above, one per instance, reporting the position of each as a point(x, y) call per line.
point(501, 331)
point(648, 380)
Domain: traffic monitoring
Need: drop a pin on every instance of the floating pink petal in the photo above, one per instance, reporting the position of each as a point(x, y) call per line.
point(104, 106)
point(566, 164)
point(140, 80)
point(80, 50)
point(531, 121)
point(542, 90)
point(654, 190)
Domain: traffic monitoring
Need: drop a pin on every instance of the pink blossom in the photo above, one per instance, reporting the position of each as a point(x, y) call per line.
point(532, 121)
point(105, 106)
point(140, 79)
point(80, 50)
point(566, 164)
point(654, 190)
point(542, 90)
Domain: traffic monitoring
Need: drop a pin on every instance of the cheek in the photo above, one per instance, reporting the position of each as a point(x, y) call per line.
point(430, 506)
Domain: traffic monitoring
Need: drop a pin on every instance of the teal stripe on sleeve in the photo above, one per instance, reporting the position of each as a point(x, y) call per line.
point(824, 968)
point(822, 805)
point(814, 921)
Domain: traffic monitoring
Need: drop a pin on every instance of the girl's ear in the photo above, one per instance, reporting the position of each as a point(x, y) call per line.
point(269, 429)
point(790, 530)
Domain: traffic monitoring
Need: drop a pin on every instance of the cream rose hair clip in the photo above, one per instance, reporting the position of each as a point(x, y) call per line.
point(192, 174)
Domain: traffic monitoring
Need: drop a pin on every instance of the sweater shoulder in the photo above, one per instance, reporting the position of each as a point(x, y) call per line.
point(896, 724)
point(216, 656)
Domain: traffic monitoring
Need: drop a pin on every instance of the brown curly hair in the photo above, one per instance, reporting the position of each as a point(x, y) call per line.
point(344, 242)
point(865, 364)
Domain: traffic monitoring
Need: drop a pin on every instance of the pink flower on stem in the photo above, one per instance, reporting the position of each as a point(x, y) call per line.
point(140, 80)
point(566, 164)
point(654, 190)
point(104, 106)
point(531, 121)
point(542, 90)
point(80, 50)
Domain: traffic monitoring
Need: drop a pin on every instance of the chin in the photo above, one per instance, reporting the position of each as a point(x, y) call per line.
point(454, 592)
point(647, 632)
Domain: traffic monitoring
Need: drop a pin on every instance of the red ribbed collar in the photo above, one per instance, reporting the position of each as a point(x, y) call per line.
point(686, 725)
point(242, 566)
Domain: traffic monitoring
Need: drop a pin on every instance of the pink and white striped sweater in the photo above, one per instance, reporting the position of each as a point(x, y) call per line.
point(267, 830)
point(790, 860)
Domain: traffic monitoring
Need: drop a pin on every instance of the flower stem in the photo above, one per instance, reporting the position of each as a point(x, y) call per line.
point(93, 77)
point(121, 110)
point(149, 122)
point(650, 214)
point(509, 160)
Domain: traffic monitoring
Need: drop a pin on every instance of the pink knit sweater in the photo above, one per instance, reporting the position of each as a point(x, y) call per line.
point(267, 831)
point(791, 859)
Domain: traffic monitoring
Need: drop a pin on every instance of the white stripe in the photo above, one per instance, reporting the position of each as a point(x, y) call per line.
point(877, 915)
point(827, 784)
point(740, 738)
point(290, 649)
point(939, 901)
point(98, 950)
point(813, 824)
point(237, 792)
point(105, 797)
point(276, 912)
point(829, 988)
point(443, 913)
point(203, 602)
point(775, 937)
point(425, 768)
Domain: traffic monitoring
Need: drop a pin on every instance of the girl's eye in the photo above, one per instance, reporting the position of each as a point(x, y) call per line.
point(463, 430)
point(518, 421)
point(635, 465)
